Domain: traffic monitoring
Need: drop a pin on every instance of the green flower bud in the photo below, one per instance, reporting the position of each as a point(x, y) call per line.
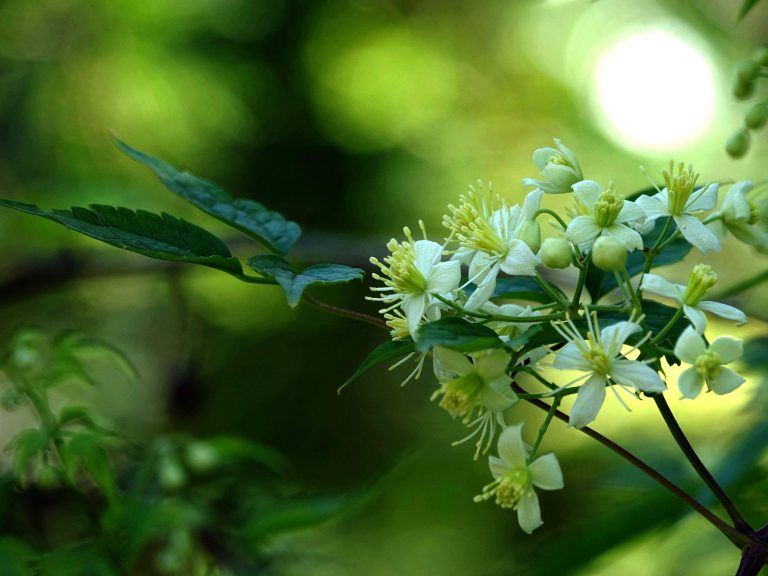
point(747, 71)
point(530, 233)
point(609, 254)
point(555, 253)
point(757, 116)
point(201, 457)
point(761, 55)
point(171, 474)
point(743, 90)
point(738, 144)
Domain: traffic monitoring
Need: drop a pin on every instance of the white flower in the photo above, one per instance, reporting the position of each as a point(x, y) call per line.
point(690, 297)
point(707, 364)
point(603, 212)
point(559, 167)
point(738, 216)
point(412, 274)
point(485, 224)
point(515, 478)
point(598, 356)
point(399, 330)
point(476, 389)
point(680, 200)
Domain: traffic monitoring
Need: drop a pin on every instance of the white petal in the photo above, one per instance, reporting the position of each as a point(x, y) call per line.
point(452, 362)
point(705, 199)
point(546, 473)
point(662, 287)
point(626, 235)
point(483, 291)
point(689, 383)
point(637, 375)
point(541, 156)
point(481, 266)
point(588, 402)
point(630, 211)
point(587, 192)
point(729, 349)
point(511, 447)
point(698, 235)
point(570, 358)
point(498, 396)
point(735, 204)
point(531, 204)
point(614, 336)
point(583, 230)
point(724, 311)
point(690, 345)
point(529, 512)
point(444, 277)
point(561, 177)
point(413, 306)
point(569, 155)
point(520, 260)
point(726, 381)
point(747, 233)
point(493, 364)
point(498, 466)
point(697, 318)
point(653, 206)
point(427, 255)
point(464, 255)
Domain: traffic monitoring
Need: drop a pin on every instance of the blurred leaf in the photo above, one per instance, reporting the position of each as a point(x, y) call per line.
point(26, 445)
point(599, 283)
point(294, 283)
point(70, 347)
point(746, 8)
point(15, 556)
point(86, 450)
point(457, 334)
point(158, 236)
point(78, 561)
point(248, 216)
point(211, 453)
point(383, 352)
point(756, 353)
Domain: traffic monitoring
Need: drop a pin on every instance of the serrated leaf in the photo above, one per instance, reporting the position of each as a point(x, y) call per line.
point(248, 216)
point(294, 283)
point(383, 352)
point(599, 283)
point(158, 236)
point(746, 8)
point(457, 334)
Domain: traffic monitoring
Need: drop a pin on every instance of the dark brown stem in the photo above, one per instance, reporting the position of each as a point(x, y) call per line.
point(338, 311)
point(739, 539)
point(753, 558)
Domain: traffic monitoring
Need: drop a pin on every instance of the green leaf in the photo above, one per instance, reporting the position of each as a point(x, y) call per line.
point(15, 556)
point(86, 449)
point(26, 445)
point(383, 352)
point(71, 348)
point(746, 8)
point(457, 334)
point(294, 283)
point(211, 453)
point(599, 283)
point(158, 236)
point(248, 216)
point(519, 288)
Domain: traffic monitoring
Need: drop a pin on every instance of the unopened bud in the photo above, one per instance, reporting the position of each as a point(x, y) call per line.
point(757, 116)
point(761, 56)
point(530, 233)
point(702, 278)
point(738, 144)
point(555, 253)
point(743, 90)
point(171, 474)
point(609, 254)
point(201, 457)
point(747, 71)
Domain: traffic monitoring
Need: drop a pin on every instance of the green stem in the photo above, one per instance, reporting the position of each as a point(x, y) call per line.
point(633, 294)
point(580, 284)
point(739, 539)
point(552, 213)
point(543, 428)
point(755, 280)
point(664, 331)
point(551, 292)
point(655, 249)
point(344, 313)
point(682, 441)
point(499, 317)
point(539, 377)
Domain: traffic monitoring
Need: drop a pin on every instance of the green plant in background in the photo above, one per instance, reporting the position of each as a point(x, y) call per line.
point(178, 505)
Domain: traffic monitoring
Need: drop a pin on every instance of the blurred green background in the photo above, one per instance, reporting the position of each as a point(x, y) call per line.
point(354, 119)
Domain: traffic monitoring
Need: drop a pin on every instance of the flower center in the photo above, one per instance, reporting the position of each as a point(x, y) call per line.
point(607, 208)
point(599, 361)
point(399, 268)
point(558, 159)
point(701, 280)
point(398, 325)
point(679, 185)
point(511, 487)
point(460, 394)
point(708, 364)
point(470, 222)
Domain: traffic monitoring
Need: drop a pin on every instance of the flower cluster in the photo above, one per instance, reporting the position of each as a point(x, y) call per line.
point(501, 331)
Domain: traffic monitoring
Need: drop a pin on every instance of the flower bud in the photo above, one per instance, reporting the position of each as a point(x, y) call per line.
point(201, 457)
point(761, 55)
point(747, 71)
point(530, 233)
point(609, 254)
point(743, 90)
point(757, 116)
point(555, 253)
point(702, 278)
point(171, 474)
point(738, 144)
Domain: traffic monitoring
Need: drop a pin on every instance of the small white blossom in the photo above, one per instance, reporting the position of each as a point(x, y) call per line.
point(475, 388)
point(707, 364)
point(690, 297)
point(559, 168)
point(412, 274)
point(738, 216)
point(598, 356)
point(486, 227)
point(603, 213)
point(515, 478)
point(680, 200)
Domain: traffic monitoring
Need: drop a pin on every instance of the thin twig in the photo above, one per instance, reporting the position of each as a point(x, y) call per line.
point(338, 311)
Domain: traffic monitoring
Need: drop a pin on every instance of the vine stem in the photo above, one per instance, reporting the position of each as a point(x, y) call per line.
point(345, 313)
point(744, 285)
point(654, 250)
point(502, 317)
point(739, 539)
point(664, 331)
point(682, 441)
